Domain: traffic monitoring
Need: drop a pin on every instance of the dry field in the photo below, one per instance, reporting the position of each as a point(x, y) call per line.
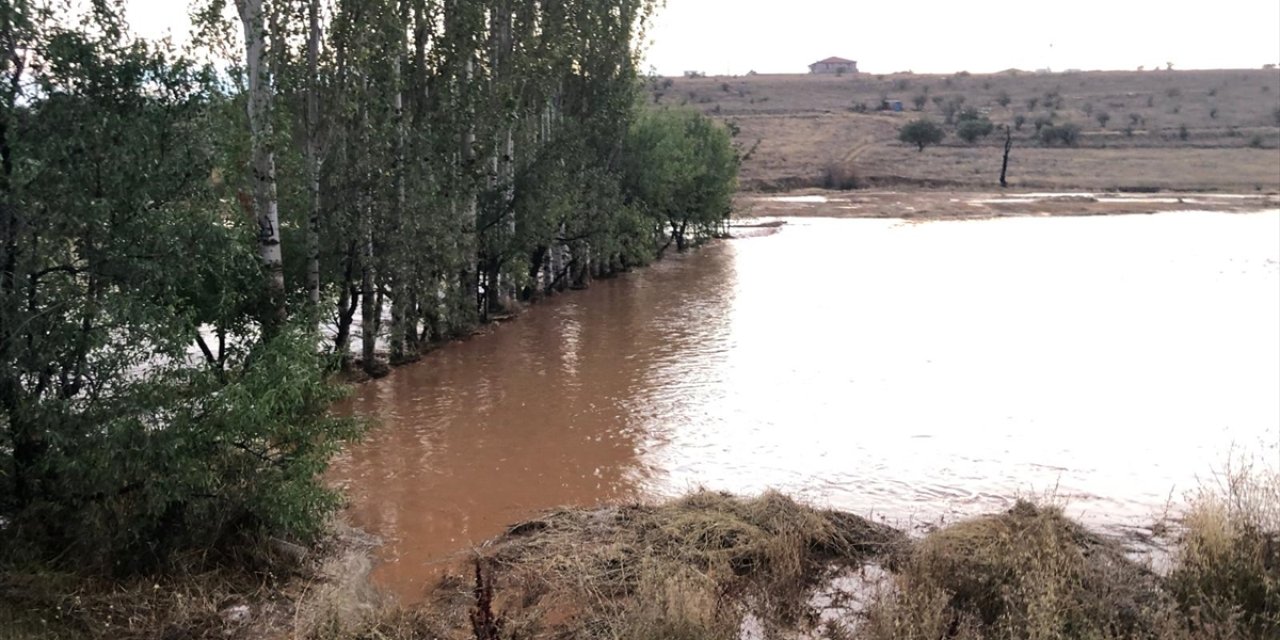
point(1167, 130)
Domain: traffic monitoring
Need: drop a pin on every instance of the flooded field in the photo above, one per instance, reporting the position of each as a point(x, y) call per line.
point(916, 371)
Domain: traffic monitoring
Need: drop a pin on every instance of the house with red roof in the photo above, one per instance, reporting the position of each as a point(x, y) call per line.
point(834, 65)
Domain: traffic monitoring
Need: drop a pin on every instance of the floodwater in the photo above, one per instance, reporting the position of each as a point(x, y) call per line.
point(916, 371)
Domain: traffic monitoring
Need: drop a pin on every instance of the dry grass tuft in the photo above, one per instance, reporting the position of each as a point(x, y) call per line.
point(1032, 573)
point(691, 568)
point(1226, 573)
point(1028, 572)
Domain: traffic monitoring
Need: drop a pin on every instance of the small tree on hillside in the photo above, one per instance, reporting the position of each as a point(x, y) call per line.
point(1103, 118)
point(970, 129)
point(922, 133)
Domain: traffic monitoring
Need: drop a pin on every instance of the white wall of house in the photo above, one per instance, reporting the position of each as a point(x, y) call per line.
point(830, 67)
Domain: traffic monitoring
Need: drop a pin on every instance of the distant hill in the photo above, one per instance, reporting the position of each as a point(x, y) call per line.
point(1180, 130)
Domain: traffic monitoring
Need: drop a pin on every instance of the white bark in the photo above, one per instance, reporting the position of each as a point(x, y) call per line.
point(264, 163)
point(313, 154)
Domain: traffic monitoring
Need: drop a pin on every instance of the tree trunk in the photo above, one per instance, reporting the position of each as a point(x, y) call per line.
point(1008, 145)
point(266, 204)
point(399, 271)
point(313, 155)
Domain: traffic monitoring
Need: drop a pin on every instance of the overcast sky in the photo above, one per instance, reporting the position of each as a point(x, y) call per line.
point(784, 36)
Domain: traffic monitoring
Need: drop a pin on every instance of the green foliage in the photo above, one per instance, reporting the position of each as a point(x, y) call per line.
point(144, 409)
point(121, 442)
point(970, 129)
point(922, 132)
point(680, 170)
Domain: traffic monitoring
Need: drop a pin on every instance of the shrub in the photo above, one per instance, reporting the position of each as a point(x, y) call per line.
point(919, 100)
point(838, 176)
point(1183, 133)
point(1068, 133)
point(199, 458)
point(970, 129)
point(922, 132)
point(1226, 571)
point(1031, 103)
point(951, 107)
point(1003, 99)
point(1018, 121)
point(1042, 121)
point(1026, 573)
point(1103, 118)
point(1256, 142)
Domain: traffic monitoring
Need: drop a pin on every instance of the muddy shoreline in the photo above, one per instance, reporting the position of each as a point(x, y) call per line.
point(925, 204)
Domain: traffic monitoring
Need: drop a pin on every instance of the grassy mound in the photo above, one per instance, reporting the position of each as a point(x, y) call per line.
point(1027, 573)
point(709, 566)
point(691, 568)
point(1032, 573)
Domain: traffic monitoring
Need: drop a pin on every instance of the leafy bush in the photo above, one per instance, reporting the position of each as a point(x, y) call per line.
point(921, 132)
point(680, 172)
point(191, 457)
point(1067, 133)
point(970, 129)
point(1103, 118)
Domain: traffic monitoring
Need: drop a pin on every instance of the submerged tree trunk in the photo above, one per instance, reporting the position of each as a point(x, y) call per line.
point(266, 204)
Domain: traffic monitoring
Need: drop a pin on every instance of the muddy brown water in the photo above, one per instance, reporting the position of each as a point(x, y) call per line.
point(918, 371)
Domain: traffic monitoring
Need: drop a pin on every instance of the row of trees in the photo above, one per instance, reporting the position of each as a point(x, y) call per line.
point(174, 232)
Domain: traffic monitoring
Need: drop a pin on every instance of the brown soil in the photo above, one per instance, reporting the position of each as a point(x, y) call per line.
point(1203, 130)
